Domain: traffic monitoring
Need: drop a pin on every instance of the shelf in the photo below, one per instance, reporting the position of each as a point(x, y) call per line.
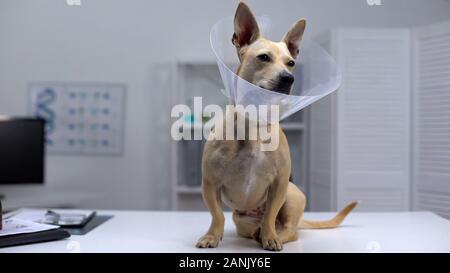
point(292, 126)
point(189, 190)
point(198, 126)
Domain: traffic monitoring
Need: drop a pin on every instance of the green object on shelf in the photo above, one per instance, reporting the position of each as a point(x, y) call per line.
point(205, 119)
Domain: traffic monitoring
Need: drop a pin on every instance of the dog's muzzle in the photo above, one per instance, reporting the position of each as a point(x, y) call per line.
point(285, 81)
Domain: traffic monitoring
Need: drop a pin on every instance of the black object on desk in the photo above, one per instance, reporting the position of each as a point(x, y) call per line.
point(96, 221)
point(68, 220)
point(76, 224)
point(22, 146)
point(35, 237)
point(1, 215)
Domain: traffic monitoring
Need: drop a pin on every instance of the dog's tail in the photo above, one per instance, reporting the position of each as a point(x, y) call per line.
point(336, 221)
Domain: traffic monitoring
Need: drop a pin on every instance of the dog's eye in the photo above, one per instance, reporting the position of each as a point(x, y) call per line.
point(291, 63)
point(264, 58)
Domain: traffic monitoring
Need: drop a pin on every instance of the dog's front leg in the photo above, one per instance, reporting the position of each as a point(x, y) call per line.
point(268, 235)
point(212, 199)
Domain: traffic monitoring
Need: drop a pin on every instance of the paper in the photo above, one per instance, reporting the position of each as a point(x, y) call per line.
point(66, 216)
point(34, 215)
point(13, 226)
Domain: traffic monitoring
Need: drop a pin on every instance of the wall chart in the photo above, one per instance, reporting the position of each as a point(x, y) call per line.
point(80, 118)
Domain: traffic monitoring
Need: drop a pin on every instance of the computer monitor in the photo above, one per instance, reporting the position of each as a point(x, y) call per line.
point(22, 150)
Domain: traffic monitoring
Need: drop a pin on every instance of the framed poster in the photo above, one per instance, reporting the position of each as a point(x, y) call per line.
point(80, 118)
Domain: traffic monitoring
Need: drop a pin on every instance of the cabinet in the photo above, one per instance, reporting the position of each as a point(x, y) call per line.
point(360, 135)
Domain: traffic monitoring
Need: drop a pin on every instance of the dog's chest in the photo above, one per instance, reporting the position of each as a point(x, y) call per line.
point(245, 177)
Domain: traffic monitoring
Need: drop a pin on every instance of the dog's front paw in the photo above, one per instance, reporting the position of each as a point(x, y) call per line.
point(272, 243)
point(209, 241)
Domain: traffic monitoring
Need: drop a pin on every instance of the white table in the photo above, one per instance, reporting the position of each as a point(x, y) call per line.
point(152, 231)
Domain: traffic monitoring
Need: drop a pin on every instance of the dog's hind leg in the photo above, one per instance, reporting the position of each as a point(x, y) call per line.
point(246, 226)
point(287, 221)
point(290, 214)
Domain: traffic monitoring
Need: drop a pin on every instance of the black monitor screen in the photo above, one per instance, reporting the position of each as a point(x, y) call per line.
point(21, 151)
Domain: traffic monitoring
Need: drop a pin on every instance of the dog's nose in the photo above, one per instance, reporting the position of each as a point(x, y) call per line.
point(286, 79)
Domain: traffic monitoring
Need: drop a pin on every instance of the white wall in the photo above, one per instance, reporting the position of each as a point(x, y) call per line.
point(118, 41)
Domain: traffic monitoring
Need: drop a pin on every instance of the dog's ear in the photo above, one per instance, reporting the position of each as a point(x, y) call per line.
point(246, 29)
point(294, 36)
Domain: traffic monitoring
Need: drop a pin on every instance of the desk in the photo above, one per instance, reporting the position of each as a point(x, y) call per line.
point(153, 231)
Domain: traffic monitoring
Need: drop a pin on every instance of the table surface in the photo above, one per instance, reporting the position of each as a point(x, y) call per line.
point(159, 231)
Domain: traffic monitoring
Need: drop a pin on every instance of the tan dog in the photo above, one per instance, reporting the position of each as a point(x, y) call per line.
point(255, 184)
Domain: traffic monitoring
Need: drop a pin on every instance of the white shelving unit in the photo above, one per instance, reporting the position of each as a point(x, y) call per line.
point(203, 79)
